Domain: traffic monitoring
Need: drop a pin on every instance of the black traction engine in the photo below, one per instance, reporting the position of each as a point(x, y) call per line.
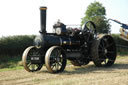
point(80, 46)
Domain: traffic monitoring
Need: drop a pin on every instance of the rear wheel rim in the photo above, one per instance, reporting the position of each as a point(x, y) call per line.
point(104, 51)
point(107, 51)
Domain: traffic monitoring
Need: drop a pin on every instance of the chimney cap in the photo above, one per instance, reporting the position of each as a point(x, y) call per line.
point(43, 8)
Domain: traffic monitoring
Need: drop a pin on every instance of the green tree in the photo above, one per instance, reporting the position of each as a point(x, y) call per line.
point(96, 13)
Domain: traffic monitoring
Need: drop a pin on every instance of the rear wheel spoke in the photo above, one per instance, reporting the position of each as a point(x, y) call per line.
point(109, 45)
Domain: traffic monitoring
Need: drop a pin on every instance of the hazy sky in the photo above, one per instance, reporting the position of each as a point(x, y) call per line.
point(23, 16)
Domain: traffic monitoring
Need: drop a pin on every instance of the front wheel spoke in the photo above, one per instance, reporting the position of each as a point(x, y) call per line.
point(53, 65)
point(37, 65)
point(33, 67)
point(29, 64)
point(59, 53)
point(62, 58)
point(56, 53)
point(57, 66)
point(105, 61)
point(59, 63)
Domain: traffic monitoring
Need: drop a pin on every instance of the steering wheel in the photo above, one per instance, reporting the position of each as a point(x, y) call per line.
point(89, 26)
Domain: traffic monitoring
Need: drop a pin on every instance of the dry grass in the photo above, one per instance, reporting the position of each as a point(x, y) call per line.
point(85, 75)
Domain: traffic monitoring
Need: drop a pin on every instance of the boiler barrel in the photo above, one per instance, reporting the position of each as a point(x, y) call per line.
point(52, 40)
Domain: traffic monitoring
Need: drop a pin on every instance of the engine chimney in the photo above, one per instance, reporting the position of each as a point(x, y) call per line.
point(43, 19)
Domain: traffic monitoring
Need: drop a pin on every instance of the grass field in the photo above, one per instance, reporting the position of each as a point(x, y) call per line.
point(85, 75)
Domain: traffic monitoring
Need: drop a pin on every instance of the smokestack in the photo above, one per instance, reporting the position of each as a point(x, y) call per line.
point(43, 19)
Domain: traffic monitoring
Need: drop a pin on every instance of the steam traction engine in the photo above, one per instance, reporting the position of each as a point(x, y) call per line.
point(80, 46)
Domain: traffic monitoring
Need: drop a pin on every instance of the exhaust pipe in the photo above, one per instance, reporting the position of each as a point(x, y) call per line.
point(43, 19)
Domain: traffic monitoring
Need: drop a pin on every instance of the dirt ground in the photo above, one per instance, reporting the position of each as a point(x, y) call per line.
point(85, 75)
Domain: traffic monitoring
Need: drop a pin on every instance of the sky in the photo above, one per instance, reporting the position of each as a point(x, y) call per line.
point(22, 17)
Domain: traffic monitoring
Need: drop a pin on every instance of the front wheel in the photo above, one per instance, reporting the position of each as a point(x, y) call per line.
point(55, 59)
point(31, 53)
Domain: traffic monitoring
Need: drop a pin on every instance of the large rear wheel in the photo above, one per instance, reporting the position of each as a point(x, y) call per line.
point(104, 51)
